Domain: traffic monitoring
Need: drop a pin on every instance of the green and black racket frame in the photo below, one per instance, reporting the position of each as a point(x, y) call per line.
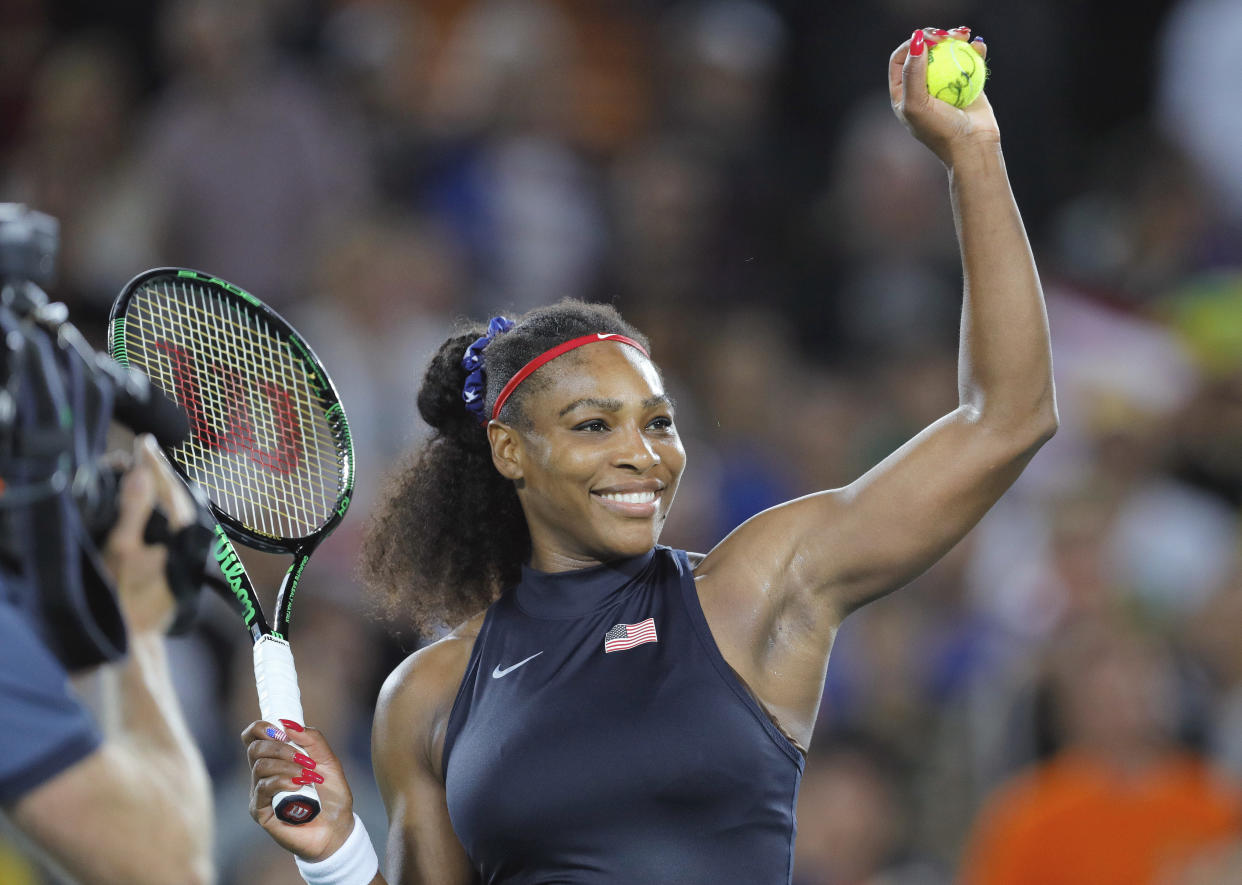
point(269, 444)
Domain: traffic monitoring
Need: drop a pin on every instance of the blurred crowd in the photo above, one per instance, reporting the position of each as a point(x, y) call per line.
point(1063, 690)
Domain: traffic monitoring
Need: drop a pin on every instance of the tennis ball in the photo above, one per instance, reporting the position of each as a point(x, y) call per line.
point(955, 71)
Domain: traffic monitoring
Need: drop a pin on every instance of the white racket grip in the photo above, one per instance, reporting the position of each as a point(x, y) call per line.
point(279, 698)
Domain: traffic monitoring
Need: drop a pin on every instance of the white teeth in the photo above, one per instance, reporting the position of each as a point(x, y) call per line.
point(630, 497)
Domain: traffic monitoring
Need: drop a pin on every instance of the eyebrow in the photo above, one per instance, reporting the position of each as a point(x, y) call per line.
point(614, 405)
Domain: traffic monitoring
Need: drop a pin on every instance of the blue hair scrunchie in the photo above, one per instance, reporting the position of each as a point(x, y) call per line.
point(474, 391)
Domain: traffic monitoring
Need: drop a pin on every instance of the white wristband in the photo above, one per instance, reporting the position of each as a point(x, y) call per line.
point(354, 863)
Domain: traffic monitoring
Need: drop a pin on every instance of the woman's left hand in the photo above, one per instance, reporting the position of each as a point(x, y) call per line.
point(938, 124)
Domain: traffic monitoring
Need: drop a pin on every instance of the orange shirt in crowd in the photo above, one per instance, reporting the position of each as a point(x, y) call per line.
point(1075, 820)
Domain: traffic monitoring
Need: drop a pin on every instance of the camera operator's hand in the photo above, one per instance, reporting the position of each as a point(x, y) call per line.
point(138, 568)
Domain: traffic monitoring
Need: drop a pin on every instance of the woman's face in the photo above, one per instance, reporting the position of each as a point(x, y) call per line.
point(597, 470)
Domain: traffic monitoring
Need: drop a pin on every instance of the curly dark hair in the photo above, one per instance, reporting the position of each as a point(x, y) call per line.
point(449, 534)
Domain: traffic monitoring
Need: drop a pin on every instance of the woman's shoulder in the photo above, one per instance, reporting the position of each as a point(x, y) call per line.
point(418, 695)
point(435, 668)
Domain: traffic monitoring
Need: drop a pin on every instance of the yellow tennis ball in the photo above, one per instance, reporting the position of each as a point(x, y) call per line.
point(955, 71)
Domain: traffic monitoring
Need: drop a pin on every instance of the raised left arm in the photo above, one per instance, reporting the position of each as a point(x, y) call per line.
point(824, 555)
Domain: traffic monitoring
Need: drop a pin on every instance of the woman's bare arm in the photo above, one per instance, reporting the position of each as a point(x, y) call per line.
point(799, 568)
point(407, 743)
point(407, 746)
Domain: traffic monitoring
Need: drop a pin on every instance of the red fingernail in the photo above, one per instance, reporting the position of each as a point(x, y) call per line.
point(916, 48)
point(962, 28)
point(308, 777)
point(290, 724)
point(301, 781)
point(303, 760)
point(939, 32)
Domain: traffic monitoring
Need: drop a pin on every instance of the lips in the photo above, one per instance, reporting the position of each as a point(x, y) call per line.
point(637, 499)
point(629, 497)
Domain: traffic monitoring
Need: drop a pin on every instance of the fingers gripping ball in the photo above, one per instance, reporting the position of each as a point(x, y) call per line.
point(955, 72)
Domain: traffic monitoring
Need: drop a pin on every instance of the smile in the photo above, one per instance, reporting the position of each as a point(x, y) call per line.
point(629, 497)
point(631, 503)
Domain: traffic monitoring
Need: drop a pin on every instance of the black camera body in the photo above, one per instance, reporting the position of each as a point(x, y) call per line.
point(58, 497)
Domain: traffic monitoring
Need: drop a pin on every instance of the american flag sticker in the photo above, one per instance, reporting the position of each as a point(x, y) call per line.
point(624, 636)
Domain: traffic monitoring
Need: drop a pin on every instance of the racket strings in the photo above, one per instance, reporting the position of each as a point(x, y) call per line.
point(261, 443)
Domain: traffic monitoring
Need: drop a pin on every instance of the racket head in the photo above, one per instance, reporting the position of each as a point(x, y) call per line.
point(269, 441)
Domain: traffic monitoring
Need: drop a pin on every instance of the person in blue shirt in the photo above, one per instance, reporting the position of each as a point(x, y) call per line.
point(613, 711)
point(126, 800)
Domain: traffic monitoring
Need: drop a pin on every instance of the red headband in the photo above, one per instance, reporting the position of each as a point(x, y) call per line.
point(548, 355)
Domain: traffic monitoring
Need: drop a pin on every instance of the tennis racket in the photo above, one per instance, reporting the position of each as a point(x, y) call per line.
point(268, 444)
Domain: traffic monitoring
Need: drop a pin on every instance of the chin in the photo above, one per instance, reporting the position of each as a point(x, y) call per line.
point(624, 544)
point(637, 542)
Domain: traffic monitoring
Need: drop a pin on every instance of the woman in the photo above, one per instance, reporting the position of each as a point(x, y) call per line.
point(625, 712)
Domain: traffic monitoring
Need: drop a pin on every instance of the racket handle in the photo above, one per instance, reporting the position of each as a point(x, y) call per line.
point(279, 698)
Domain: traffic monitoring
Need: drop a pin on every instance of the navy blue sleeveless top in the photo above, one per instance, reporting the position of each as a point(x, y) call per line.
point(600, 737)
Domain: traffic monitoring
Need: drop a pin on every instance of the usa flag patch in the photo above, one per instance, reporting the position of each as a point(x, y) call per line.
point(624, 636)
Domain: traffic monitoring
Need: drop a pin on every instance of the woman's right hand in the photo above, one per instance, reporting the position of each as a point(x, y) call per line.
point(273, 766)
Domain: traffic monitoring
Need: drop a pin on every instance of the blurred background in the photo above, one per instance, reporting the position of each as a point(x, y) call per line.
point(729, 174)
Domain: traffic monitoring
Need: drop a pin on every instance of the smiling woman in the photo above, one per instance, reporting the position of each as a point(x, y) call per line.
point(611, 710)
point(598, 462)
point(452, 533)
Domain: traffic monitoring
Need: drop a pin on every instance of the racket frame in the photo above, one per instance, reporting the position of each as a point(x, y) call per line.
point(300, 548)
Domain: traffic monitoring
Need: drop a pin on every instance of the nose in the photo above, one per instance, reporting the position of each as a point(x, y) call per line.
point(635, 451)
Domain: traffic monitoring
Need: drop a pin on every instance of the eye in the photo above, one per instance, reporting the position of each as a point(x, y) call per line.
point(661, 423)
point(595, 425)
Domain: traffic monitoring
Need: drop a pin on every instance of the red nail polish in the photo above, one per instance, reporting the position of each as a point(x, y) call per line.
point(939, 32)
point(309, 777)
point(303, 760)
point(289, 723)
point(962, 28)
point(301, 781)
point(917, 44)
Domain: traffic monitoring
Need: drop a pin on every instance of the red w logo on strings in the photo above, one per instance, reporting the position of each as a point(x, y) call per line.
point(230, 427)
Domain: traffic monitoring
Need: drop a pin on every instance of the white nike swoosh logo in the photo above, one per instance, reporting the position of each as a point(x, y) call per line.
point(497, 673)
point(602, 337)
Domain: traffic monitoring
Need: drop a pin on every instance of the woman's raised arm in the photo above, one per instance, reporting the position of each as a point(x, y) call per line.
point(813, 560)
